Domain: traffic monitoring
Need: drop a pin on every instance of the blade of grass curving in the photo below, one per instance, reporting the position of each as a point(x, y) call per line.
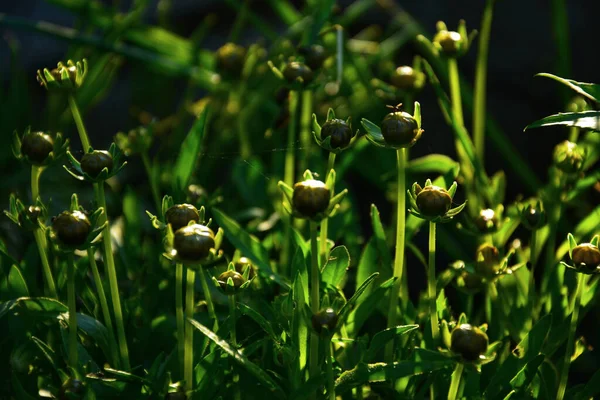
point(190, 148)
point(584, 119)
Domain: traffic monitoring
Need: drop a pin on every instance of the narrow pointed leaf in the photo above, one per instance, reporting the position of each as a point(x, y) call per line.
point(335, 268)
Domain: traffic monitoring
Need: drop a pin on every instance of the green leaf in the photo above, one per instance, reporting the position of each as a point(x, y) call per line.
point(16, 283)
point(379, 372)
point(351, 303)
point(381, 338)
point(588, 90)
point(432, 163)
point(335, 268)
point(47, 352)
point(584, 228)
point(361, 313)
point(368, 264)
point(260, 320)
point(254, 369)
point(584, 119)
point(299, 324)
point(249, 246)
point(532, 343)
point(380, 239)
point(525, 376)
point(41, 307)
point(190, 148)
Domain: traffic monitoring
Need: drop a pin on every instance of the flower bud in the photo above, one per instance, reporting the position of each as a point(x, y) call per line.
point(236, 277)
point(230, 59)
point(28, 218)
point(450, 42)
point(433, 201)
point(294, 70)
point(93, 163)
point(586, 258)
point(314, 55)
point(400, 129)
point(242, 264)
point(487, 261)
point(568, 157)
point(469, 342)
point(193, 243)
point(407, 78)
point(71, 228)
point(310, 198)
point(71, 389)
point(487, 221)
point(180, 215)
point(37, 146)
point(339, 132)
point(325, 321)
point(533, 217)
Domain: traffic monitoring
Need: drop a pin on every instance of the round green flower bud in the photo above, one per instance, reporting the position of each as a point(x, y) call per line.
point(236, 277)
point(28, 217)
point(400, 129)
point(242, 264)
point(193, 243)
point(314, 55)
point(339, 132)
point(37, 146)
point(406, 78)
point(325, 321)
point(230, 59)
point(433, 201)
point(568, 157)
point(487, 221)
point(71, 228)
point(93, 163)
point(71, 389)
point(533, 218)
point(181, 215)
point(310, 198)
point(294, 70)
point(449, 41)
point(469, 342)
point(487, 260)
point(586, 258)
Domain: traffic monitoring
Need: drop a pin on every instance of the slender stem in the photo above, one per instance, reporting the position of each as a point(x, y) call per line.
point(109, 261)
point(209, 303)
point(455, 91)
point(564, 375)
point(315, 279)
point(325, 222)
point(455, 382)
point(399, 257)
point(470, 306)
point(112, 342)
point(179, 315)
point(573, 134)
point(554, 214)
point(289, 174)
point(41, 245)
point(85, 142)
point(189, 330)
point(532, 262)
point(236, 391)
point(35, 182)
point(153, 187)
point(435, 330)
point(306, 136)
point(329, 371)
point(480, 89)
point(72, 312)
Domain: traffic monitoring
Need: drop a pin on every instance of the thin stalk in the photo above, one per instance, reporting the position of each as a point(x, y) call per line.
point(237, 394)
point(179, 315)
point(553, 219)
point(435, 330)
point(329, 371)
point(112, 278)
point(315, 278)
point(306, 137)
point(325, 222)
point(480, 88)
point(207, 296)
point(85, 142)
point(456, 99)
point(399, 257)
point(153, 187)
point(72, 311)
point(573, 134)
point(289, 175)
point(112, 342)
point(564, 375)
point(532, 261)
point(189, 331)
point(455, 382)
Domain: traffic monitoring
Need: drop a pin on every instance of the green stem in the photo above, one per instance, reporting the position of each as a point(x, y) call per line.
point(207, 296)
point(435, 330)
point(573, 134)
point(306, 136)
point(72, 312)
point(237, 394)
point(329, 371)
point(189, 331)
point(36, 172)
point(315, 279)
point(109, 261)
point(564, 375)
point(532, 262)
point(455, 382)
point(325, 222)
point(288, 175)
point(179, 315)
point(399, 257)
point(112, 342)
point(554, 214)
point(457, 111)
point(480, 89)
point(153, 187)
point(85, 142)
